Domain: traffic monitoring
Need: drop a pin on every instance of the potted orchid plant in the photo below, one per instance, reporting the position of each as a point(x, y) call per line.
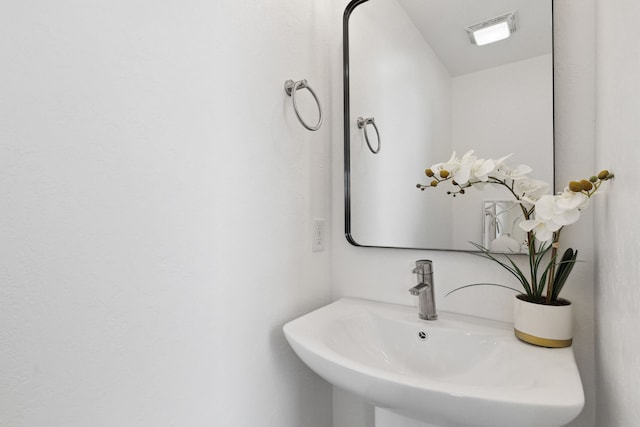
point(544, 218)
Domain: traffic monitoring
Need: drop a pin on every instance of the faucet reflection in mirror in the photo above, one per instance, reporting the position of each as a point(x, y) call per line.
point(544, 216)
point(500, 231)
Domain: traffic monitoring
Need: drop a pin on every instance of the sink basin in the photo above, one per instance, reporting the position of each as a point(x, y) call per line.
point(457, 371)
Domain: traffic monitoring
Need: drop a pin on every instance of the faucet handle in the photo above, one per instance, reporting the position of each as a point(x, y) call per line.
point(419, 289)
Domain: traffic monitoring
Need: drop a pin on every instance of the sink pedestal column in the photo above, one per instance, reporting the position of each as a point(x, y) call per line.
point(386, 418)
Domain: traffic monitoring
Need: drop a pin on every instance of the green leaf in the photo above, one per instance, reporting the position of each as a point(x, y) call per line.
point(513, 269)
point(535, 262)
point(482, 284)
point(565, 266)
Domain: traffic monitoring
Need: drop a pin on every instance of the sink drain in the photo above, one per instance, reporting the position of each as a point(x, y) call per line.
point(423, 335)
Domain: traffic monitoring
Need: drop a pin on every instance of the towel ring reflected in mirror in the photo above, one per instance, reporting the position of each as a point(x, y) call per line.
point(362, 124)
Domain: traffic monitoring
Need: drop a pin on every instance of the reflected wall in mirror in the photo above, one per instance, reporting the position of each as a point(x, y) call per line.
point(410, 66)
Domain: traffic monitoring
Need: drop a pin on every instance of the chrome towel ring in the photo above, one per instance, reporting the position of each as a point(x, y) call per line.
point(290, 87)
point(362, 124)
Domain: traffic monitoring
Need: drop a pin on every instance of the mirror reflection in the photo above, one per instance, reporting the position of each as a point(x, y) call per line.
point(414, 71)
point(501, 232)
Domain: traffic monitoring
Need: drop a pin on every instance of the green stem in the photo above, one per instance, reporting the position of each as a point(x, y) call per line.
point(525, 212)
point(552, 271)
point(531, 242)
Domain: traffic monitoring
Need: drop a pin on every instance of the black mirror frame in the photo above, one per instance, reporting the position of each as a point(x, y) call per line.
point(347, 134)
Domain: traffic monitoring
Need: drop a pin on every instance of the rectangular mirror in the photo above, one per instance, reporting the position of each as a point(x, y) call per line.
point(415, 90)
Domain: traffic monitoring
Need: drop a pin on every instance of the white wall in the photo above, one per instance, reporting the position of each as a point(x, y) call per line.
point(385, 274)
point(617, 228)
point(396, 78)
point(157, 193)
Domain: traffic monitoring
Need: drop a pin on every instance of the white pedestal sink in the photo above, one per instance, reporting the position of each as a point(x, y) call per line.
point(386, 418)
point(457, 371)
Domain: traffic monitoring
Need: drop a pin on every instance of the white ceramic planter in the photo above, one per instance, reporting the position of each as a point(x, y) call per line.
point(543, 325)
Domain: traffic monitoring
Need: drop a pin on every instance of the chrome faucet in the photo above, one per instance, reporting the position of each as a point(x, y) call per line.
point(424, 290)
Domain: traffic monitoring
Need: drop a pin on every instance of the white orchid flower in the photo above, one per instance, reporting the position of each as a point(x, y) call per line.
point(463, 174)
point(572, 200)
point(551, 214)
point(548, 208)
point(466, 169)
point(482, 169)
point(530, 190)
point(543, 230)
point(519, 172)
point(452, 165)
point(504, 171)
